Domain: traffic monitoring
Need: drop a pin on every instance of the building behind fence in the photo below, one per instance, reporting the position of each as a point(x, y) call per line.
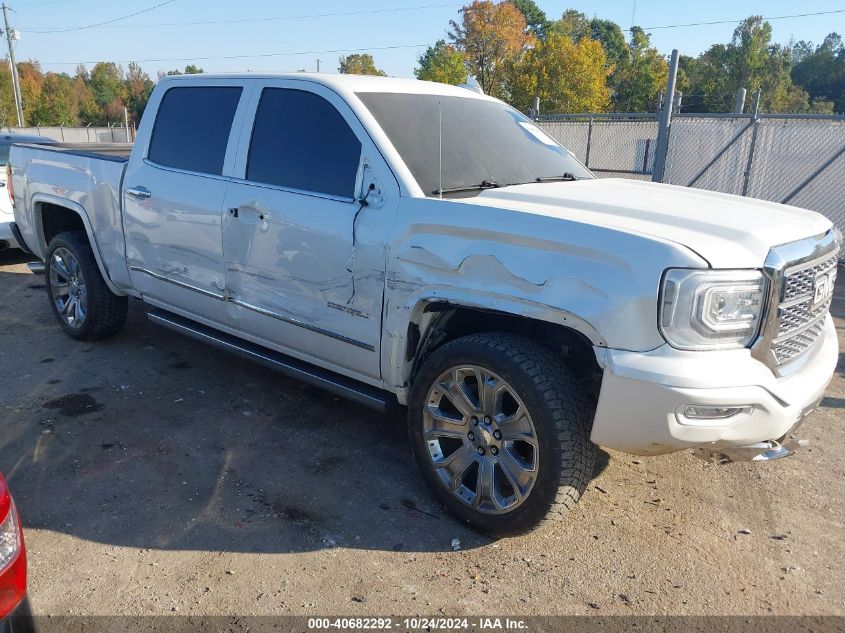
point(793, 159)
point(77, 134)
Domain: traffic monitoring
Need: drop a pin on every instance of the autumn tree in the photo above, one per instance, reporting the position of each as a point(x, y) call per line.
point(139, 86)
point(56, 104)
point(88, 112)
point(567, 76)
point(31, 82)
point(8, 111)
point(359, 64)
point(492, 36)
point(443, 63)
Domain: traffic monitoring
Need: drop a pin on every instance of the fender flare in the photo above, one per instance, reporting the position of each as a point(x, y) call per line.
point(74, 207)
point(413, 308)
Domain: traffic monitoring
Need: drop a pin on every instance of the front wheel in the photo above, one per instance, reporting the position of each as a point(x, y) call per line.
point(83, 304)
point(500, 431)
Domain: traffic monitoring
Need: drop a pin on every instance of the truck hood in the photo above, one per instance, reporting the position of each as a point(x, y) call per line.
point(727, 231)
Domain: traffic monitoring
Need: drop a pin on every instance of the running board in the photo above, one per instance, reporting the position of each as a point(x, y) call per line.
point(339, 385)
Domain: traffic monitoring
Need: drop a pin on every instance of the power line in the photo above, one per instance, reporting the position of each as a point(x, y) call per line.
point(92, 26)
point(777, 17)
point(255, 56)
point(252, 20)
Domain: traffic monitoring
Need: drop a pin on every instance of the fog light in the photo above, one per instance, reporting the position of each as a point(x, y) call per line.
point(697, 412)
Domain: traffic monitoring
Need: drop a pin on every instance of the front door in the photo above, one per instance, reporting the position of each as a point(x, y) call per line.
point(305, 259)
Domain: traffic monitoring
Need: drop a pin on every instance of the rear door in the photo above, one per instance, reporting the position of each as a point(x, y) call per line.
point(173, 194)
point(305, 260)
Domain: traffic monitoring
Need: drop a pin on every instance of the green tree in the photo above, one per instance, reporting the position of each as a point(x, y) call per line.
point(492, 36)
point(639, 75)
point(535, 18)
point(443, 63)
point(108, 86)
point(359, 64)
point(190, 69)
point(821, 71)
point(749, 61)
point(568, 76)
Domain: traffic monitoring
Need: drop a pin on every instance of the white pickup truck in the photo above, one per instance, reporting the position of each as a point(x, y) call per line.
point(403, 241)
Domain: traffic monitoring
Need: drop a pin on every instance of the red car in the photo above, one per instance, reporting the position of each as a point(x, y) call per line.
point(15, 615)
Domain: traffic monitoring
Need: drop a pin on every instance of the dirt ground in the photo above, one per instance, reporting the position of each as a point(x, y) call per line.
point(158, 476)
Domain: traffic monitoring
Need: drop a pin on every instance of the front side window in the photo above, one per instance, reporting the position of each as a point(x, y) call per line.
point(192, 128)
point(300, 141)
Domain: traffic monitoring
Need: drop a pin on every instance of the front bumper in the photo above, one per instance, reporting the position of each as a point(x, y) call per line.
point(643, 395)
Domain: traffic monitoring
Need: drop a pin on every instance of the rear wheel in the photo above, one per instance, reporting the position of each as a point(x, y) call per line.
point(500, 430)
point(83, 304)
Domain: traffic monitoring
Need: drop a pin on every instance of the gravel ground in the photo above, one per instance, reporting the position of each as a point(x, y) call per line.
point(158, 476)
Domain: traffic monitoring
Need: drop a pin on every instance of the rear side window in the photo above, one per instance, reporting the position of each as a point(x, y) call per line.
point(192, 128)
point(300, 141)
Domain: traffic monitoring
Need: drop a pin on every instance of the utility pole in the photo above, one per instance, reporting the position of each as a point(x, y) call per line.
point(318, 65)
point(665, 119)
point(126, 123)
point(14, 66)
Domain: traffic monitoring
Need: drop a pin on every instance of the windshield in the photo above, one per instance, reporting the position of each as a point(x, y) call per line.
point(485, 143)
point(4, 153)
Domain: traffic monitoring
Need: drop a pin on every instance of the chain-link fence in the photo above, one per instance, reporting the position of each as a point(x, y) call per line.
point(77, 134)
point(793, 159)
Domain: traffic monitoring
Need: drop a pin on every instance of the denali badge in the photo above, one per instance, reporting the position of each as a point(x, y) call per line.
point(823, 288)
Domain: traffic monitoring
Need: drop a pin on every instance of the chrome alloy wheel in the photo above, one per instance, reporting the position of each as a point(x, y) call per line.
point(67, 287)
point(481, 440)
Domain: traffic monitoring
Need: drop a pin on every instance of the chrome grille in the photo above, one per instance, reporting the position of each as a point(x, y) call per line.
point(801, 282)
point(794, 321)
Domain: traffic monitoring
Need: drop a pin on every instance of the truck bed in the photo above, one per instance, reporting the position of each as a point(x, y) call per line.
point(118, 152)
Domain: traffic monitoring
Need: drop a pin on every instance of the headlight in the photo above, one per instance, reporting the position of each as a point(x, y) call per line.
point(707, 309)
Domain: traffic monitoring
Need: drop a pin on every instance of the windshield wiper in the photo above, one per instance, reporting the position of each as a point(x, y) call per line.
point(484, 184)
point(566, 177)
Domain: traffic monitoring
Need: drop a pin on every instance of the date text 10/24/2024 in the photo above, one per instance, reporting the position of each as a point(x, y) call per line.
point(417, 624)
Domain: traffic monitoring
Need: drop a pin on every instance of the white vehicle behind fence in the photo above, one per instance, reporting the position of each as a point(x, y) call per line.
point(407, 242)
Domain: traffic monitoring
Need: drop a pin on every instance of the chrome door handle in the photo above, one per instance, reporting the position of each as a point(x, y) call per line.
point(138, 192)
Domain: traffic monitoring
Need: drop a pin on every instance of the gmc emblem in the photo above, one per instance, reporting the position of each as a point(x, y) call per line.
point(823, 288)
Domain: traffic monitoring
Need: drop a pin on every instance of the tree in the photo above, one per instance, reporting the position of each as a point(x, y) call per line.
point(535, 18)
point(639, 75)
point(88, 112)
point(139, 86)
point(749, 61)
point(359, 64)
point(31, 82)
point(107, 84)
point(821, 71)
point(491, 36)
point(57, 102)
point(8, 111)
point(190, 69)
point(443, 63)
point(568, 76)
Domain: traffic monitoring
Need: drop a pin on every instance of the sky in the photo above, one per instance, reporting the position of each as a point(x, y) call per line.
point(243, 36)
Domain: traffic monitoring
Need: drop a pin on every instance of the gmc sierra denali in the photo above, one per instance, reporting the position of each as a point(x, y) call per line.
point(398, 241)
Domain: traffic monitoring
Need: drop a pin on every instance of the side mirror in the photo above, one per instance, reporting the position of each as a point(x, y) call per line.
point(370, 191)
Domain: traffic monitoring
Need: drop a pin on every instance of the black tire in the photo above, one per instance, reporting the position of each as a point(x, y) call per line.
point(561, 416)
point(106, 311)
